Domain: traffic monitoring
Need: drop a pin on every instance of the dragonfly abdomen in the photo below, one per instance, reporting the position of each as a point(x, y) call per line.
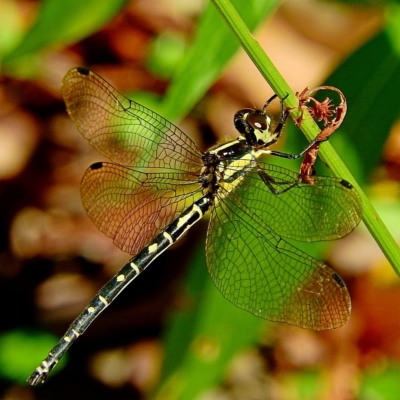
point(174, 231)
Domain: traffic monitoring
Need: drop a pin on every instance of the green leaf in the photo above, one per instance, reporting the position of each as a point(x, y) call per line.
point(64, 22)
point(202, 338)
point(212, 48)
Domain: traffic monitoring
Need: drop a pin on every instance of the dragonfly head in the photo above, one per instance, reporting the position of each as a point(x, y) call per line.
point(254, 127)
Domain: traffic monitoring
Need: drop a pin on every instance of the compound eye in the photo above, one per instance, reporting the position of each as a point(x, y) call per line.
point(257, 121)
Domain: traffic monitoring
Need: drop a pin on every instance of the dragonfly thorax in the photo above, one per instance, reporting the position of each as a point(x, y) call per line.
point(225, 166)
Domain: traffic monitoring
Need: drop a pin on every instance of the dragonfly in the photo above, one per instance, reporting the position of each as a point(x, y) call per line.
point(158, 184)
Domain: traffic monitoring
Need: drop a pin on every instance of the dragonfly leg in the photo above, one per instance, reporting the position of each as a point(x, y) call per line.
point(270, 182)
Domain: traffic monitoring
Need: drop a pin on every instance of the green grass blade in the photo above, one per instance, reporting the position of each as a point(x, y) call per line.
point(309, 127)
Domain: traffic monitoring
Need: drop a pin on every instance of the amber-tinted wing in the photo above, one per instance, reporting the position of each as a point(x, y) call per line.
point(257, 270)
point(122, 130)
point(155, 169)
point(131, 206)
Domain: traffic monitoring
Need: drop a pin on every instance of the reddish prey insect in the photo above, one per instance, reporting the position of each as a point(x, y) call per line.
point(320, 111)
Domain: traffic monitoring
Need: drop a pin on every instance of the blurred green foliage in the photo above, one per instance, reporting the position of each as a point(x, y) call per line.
point(59, 24)
point(19, 351)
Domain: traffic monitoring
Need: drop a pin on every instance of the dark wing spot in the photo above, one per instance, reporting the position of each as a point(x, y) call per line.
point(83, 71)
point(96, 165)
point(338, 280)
point(346, 184)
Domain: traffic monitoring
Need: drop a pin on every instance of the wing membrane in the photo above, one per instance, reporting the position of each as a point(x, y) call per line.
point(328, 209)
point(123, 130)
point(260, 272)
point(131, 206)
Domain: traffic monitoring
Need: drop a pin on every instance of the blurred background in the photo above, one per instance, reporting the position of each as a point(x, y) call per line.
point(171, 335)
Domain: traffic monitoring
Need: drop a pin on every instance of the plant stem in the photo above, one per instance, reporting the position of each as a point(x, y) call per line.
point(370, 217)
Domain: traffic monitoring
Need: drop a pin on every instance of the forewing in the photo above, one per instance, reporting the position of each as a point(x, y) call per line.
point(131, 206)
point(123, 130)
point(326, 209)
point(260, 272)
